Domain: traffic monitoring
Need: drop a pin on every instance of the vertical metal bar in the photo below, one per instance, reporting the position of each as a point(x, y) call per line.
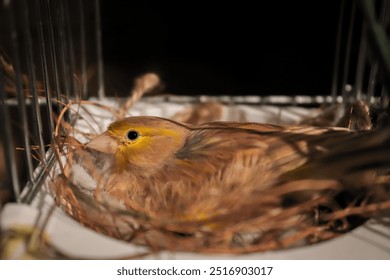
point(8, 143)
point(36, 111)
point(384, 98)
point(83, 52)
point(336, 63)
point(44, 66)
point(72, 63)
point(348, 51)
point(99, 49)
point(383, 18)
point(378, 40)
point(19, 86)
point(361, 63)
point(52, 50)
point(372, 80)
point(62, 44)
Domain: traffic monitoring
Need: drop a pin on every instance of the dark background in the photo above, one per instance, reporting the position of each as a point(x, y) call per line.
point(202, 47)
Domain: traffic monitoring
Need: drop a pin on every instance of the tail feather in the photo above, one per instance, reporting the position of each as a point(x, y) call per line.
point(365, 151)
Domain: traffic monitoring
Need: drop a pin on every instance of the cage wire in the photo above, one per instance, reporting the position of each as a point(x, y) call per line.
point(52, 91)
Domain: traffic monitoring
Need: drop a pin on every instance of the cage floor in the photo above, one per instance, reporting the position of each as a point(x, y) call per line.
point(72, 239)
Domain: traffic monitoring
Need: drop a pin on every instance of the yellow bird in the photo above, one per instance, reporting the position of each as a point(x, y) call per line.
point(210, 171)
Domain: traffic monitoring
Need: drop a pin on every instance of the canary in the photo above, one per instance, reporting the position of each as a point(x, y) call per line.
point(208, 172)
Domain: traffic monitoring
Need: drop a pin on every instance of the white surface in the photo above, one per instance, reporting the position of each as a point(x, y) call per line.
point(77, 241)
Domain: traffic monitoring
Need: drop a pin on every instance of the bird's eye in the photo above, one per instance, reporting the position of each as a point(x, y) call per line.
point(132, 135)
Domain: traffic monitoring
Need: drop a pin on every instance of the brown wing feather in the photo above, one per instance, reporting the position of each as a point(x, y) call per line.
point(261, 148)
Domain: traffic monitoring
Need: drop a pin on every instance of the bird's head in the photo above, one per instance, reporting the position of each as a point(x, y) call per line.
point(146, 143)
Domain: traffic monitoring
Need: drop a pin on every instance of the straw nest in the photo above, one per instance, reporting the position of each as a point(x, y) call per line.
point(239, 224)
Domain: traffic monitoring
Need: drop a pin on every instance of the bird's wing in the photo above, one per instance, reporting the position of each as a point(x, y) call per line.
point(266, 156)
point(275, 148)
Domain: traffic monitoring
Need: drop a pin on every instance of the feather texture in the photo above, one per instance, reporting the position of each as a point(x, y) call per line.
point(199, 172)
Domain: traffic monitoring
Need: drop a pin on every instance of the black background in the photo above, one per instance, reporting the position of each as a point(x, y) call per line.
point(205, 47)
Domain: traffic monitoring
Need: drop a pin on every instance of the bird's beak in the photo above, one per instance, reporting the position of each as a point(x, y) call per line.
point(103, 143)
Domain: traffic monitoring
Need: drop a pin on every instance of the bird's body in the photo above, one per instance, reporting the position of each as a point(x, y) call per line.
point(173, 169)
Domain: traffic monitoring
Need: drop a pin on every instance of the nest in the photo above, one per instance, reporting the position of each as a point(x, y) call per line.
point(229, 221)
